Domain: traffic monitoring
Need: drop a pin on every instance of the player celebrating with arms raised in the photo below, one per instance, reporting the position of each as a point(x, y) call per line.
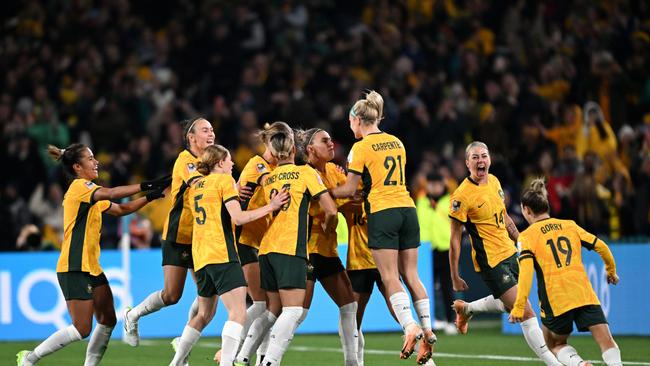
point(393, 229)
point(478, 204)
point(553, 246)
point(82, 280)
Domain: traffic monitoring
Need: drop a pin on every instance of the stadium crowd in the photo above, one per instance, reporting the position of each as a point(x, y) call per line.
point(559, 90)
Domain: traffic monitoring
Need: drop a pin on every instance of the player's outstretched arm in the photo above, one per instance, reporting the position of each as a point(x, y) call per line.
point(121, 209)
point(240, 217)
point(115, 193)
point(348, 188)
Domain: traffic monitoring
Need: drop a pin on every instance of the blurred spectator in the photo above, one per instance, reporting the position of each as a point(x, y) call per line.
point(433, 215)
point(48, 210)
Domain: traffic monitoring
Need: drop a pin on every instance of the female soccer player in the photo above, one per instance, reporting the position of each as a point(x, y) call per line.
point(393, 229)
point(565, 293)
point(478, 203)
point(177, 231)
point(82, 280)
point(216, 262)
point(283, 251)
point(250, 235)
point(361, 269)
point(315, 148)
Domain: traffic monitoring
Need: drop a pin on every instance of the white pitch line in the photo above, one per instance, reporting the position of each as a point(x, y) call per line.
point(214, 345)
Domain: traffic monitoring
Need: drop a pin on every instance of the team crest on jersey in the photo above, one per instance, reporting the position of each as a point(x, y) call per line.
point(455, 205)
point(503, 196)
point(191, 167)
point(89, 184)
point(261, 168)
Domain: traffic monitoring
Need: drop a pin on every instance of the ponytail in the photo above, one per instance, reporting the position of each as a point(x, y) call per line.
point(272, 128)
point(535, 197)
point(370, 110)
point(69, 156)
point(280, 144)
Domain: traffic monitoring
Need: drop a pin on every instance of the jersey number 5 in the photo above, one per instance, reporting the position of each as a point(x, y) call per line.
point(564, 247)
point(390, 163)
point(199, 210)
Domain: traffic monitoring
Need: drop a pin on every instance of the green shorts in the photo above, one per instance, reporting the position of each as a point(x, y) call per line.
point(217, 279)
point(394, 228)
point(281, 271)
point(584, 317)
point(179, 255)
point(79, 285)
point(363, 280)
point(247, 254)
point(325, 266)
point(502, 277)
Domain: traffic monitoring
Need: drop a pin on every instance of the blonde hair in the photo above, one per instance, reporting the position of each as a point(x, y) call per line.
point(535, 197)
point(370, 109)
point(270, 129)
point(280, 144)
point(474, 144)
point(212, 155)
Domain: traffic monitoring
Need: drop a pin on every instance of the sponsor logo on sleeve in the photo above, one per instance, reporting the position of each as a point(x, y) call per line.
point(261, 168)
point(89, 184)
point(191, 167)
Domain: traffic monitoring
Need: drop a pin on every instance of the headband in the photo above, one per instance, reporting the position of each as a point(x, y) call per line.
point(191, 126)
point(352, 112)
point(311, 138)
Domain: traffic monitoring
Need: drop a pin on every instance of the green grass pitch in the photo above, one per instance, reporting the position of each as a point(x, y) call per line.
point(482, 346)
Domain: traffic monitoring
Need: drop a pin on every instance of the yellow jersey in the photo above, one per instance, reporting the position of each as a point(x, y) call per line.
point(359, 255)
point(289, 229)
point(213, 235)
point(178, 226)
point(380, 160)
point(482, 210)
point(319, 241)
point(251, 234)
point(555, 247)
point(82, 225)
